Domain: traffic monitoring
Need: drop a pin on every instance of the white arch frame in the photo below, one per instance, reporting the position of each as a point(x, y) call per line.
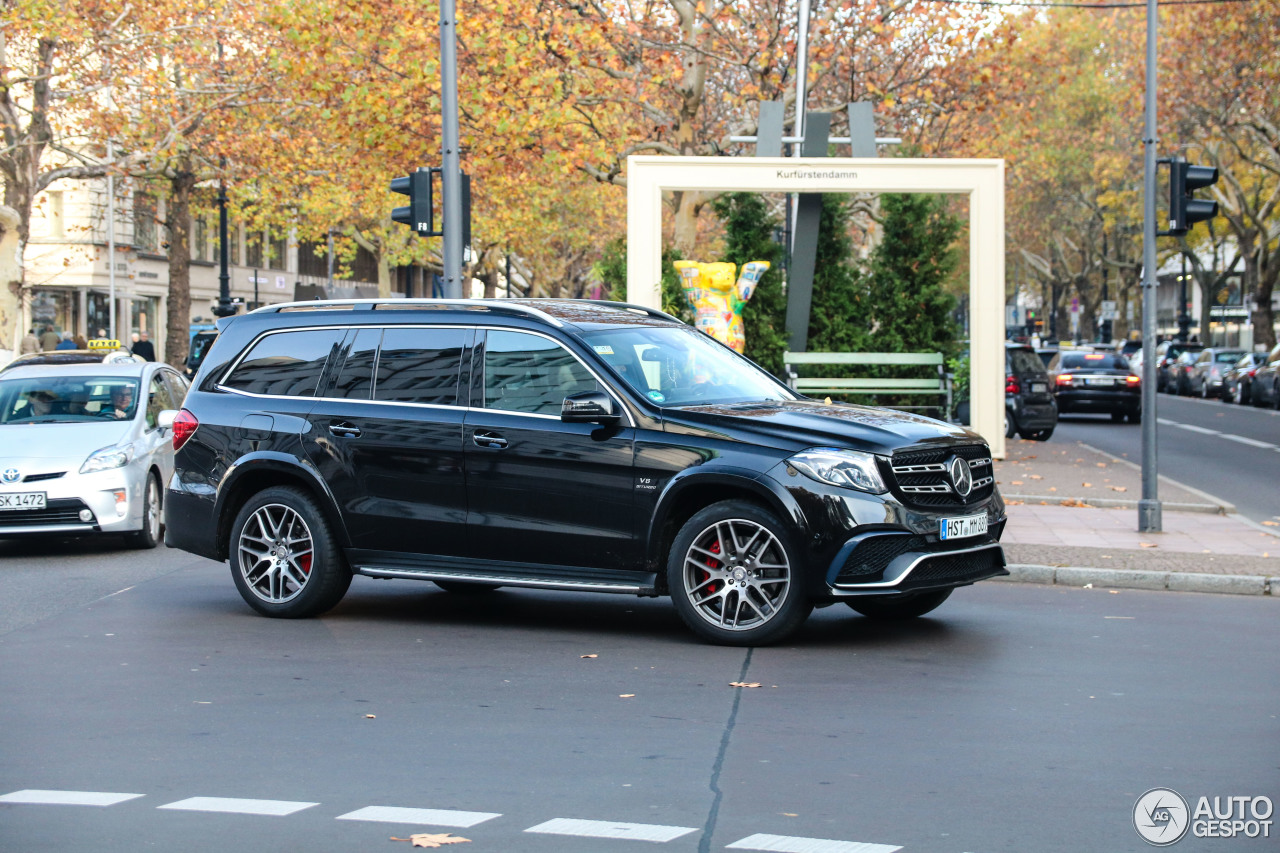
point(981, 180)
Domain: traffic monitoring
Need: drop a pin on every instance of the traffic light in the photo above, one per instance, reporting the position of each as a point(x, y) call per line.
point(417, 214)
point(1184, 209)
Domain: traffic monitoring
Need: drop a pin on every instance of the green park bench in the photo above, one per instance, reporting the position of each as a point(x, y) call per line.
point(938, 387)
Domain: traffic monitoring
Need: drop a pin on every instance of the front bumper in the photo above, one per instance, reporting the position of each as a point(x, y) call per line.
point(78, 504)
point(891, 561)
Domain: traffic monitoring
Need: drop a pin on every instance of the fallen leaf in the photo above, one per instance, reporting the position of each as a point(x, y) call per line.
point(1036, 477)
point(1087, 485)
point(433, 839)
point(1016, 483)
point(1071, 502)
point(744, 684)
point(789, 814)
point(1114, 591)
point(827, 402)
point(1053, 488)
point(1148, 545)
point(626, 695)
point(1272, 523)
point(1119, 489)
point(1013, 503)
point(584, 657)
point(1101, 464)
point(370, 717)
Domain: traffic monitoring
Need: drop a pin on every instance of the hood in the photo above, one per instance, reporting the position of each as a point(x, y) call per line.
point(796, 424)
point(42, 444)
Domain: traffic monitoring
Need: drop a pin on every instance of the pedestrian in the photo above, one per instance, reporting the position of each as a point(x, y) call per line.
point(49, 339)
point(102, 333)
point(66, 342)
point(144, 348)
point(81, 343)
point(30, 343)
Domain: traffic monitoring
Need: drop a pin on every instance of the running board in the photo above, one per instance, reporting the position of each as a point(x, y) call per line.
point(529, 575)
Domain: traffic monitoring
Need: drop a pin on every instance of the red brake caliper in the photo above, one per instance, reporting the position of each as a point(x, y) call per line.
point(714, 549)
point(304, 562)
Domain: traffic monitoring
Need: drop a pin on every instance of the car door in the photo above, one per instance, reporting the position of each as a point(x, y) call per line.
point(540, 490)
point(386, 436)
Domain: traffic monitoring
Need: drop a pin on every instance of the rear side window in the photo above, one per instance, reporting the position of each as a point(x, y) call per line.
point(355, 382)
point(1024, 361)
point(285, 364)
point(420, 366)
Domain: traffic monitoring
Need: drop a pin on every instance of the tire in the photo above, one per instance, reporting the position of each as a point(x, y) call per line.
point(1010, 424)
point(1275, 396)
point(1117, 417)
point(1135, 417)
point(891, 608)
point(284, 560)
point(149, 535)
point(466, 587)
point(753, 597)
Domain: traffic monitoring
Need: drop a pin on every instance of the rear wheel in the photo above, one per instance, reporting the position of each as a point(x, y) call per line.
point(894, 607)
point(1010, 425)
point(284, 559)
point(1135, 417)
point(1117, 417)
point(733, 576)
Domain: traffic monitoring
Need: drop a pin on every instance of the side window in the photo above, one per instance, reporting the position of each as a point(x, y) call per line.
point(158, 398)
point(529, 373)
point(285, 363)
point(356, 379)
point(420, 366)
point(177, 387)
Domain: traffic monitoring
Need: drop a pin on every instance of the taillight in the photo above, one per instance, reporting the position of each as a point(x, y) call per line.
point(1011, 385)
point(1065, 378)
point(184, 426)
point(1132, 380)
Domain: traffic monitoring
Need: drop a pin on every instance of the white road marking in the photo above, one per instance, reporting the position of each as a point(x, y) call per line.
point(794, 844)
point(1252, 442)
point(67, 798)
point(230, 805)
point(609, 829)
point(1199, 429)
point(429, 817)
point(1238, 439)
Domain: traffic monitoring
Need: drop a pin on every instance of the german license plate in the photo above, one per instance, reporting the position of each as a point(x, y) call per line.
point(22, 500)
point(961, 528)
point(1039, 387)
point(1098, 380)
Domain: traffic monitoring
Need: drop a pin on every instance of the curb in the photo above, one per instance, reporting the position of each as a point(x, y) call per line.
point(1078, 576)
point(1120, 503)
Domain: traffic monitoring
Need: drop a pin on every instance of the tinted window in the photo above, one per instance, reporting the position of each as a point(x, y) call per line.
point(286, 363)
point(158, 399)
point(356, 379)
point(420, 366)
point(1024, 361)
point(529, 373)
point(1094, 361)
point(1227, 357)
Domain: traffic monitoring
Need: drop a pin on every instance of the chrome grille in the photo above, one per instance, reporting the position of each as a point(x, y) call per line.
point(921, 479)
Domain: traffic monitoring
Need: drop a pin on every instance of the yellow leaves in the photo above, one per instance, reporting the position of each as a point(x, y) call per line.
point(433, 839)
point(744, 683)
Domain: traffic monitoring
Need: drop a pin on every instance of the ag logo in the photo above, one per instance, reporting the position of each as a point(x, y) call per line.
point(1161, 817)
point(10, 475)
point(961, 476)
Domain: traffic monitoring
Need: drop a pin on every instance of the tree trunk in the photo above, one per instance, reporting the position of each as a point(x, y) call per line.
point(178, 221)
point(10, 281)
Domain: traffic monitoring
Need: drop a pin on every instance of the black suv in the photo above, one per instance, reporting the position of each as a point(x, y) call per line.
point(1029, 408)
point(564, 445)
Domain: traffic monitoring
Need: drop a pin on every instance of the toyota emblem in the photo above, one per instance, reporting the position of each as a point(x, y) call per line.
point(961, 476)
point(10, 475)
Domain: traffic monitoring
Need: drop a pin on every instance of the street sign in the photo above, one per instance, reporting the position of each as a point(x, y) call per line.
point(1108, 310)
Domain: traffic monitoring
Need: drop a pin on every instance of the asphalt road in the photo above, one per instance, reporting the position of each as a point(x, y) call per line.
point(1229, 451)
point(1018, 718)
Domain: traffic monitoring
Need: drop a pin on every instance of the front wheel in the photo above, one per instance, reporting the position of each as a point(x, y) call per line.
point(149, 535)
point(896, 607)
point(733, 576)
point(284, 560)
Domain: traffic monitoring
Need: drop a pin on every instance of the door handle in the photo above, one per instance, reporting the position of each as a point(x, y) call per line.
point(344, 430)
point(488, 439)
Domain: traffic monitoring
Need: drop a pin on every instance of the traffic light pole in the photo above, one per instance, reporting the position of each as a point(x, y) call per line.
point(1149, 506)
point(452, 175)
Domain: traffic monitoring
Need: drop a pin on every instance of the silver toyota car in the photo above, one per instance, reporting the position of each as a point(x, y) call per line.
point(82, 449)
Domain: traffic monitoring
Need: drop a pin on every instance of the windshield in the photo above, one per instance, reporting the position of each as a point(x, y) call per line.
point(67, 399)
point(679, 366)
point(1228, 357)
point(1094, 360)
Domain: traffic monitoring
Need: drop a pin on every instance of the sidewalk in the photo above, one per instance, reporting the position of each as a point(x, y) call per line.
point(1073, 520)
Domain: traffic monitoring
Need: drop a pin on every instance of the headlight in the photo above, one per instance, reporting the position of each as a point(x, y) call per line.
point(107, 458)
point(849, 468)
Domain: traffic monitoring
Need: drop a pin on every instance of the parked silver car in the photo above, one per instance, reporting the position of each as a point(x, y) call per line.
point(83, 451)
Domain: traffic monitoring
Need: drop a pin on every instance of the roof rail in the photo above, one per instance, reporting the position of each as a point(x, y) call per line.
point(627, 306)
point(394, 304)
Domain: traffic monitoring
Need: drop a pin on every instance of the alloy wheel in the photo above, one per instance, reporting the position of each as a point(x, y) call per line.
point(275, 551)
point(736, 574)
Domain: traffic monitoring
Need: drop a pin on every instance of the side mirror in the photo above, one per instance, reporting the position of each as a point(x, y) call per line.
point(589, 407)
point(164, 420)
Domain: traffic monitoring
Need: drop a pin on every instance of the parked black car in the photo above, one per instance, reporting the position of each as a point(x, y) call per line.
point(1029, 407)
point(1237, 379)
point(1167, 353)
point(1208, 368)
point(1180, 371)
point(1264, 390)
point(1096, 382)
point(563, 445)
